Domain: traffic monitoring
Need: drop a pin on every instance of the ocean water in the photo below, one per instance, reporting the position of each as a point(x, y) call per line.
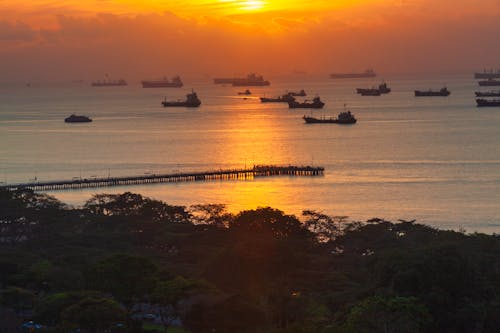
point(436, 160)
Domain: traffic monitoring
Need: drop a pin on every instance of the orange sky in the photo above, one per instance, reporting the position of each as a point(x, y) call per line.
point(83, 39)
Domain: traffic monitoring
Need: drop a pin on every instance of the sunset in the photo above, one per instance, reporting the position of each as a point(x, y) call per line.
point(249, 166)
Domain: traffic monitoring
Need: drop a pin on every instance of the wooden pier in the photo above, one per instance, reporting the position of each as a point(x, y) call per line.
point(230, 174)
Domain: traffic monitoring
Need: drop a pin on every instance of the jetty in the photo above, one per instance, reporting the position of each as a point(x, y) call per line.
point(228, 174)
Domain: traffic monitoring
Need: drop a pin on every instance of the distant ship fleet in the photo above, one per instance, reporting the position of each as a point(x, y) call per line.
point(483, 98)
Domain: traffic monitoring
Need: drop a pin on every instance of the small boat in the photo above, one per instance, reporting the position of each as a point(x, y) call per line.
point(367, 73)
point(424, 93)
point(316, 103)
point(491, 93)
point(246, 92)
point(77, 119)
point(191, 101)
point(344, 118)
point(176, 82)
point(489, 82)
point(301, 93)
point(281, 99)
point(487, 102)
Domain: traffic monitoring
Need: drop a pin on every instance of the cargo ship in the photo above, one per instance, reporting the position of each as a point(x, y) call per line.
point(426, 93)
point(345, 117)
point(316, 103)
point(281, 99)
point(192, 101)
point(487, 74)
point(367, 73)
point(109, 83)
point(176, 82)
point(251, 79)
point(489, 82)
point(491, 93)
point(485, 102)
point(382, 89)
point(77, 119)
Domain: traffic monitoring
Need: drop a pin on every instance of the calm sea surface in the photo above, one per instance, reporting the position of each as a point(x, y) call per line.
point(433, 159)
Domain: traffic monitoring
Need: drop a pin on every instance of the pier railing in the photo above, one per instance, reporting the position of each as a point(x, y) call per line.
point(227, 174)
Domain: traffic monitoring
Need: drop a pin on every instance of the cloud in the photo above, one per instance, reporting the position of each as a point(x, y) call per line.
point(16, 32)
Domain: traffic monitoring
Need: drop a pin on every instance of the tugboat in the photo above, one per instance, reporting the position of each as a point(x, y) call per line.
point(301, 93)
point(315, 104)
point(491, 93)
point(344, 118)
point(77, 119)
point(246, 92)
point(281, 99)
point(163, 83)
point(442, 92)
point(367, 73)
point(192, 101)
point(489, 82)
point(485, 102)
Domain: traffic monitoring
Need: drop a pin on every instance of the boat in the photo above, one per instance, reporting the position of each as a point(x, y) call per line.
point(77, 119)
point(316, 103)
point(366, 73)
point(487, 102)
point(252, 79)
point(246, 92)
point(109, 83)
point(281, 99)
point(368, 92)
point(441, 92)
point(487, 74)
point(301, 93)
point(489, 82)
point(191, 101)
point(382, 89)
point(176, 82)
point(345, 117)
point(491, 93)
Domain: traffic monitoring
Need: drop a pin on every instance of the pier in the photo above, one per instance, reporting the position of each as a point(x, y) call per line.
point(229, 174)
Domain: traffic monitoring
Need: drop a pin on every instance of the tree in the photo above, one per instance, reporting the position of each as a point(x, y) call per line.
point(168, 294)
point(95, 314)
point(388, 315)
point(125, 276)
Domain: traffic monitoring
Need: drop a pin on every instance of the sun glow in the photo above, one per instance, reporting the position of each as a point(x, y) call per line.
point(252, 5)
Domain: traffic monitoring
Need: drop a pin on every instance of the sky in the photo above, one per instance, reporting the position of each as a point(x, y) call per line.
point(51, 40)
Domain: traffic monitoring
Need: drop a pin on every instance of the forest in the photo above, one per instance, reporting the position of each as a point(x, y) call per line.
point(128, 263)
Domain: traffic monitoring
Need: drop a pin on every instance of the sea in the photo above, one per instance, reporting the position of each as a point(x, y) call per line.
point(433, 159)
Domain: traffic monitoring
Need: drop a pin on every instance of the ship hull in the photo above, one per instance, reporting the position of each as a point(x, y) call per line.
point(146, 84)
point(488, 94)
point(431, 93)
point(250, 83)
point(485, 103)
point(489, 83)
point(311, 120)
point(180, 104)
point(296, 105)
